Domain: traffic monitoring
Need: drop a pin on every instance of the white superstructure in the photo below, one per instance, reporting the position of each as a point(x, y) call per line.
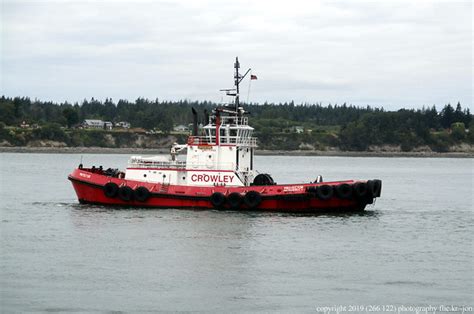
point(221, 155)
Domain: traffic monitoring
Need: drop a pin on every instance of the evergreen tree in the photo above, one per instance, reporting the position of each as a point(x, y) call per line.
point(447, 116)
point(71, 115)
point(458, 115)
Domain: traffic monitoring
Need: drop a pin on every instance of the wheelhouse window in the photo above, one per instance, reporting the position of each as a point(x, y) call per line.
point(211, 134)
point(223, 136)
point(232, 136)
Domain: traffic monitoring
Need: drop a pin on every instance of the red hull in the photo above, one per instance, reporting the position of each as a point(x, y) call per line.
point(90, 188)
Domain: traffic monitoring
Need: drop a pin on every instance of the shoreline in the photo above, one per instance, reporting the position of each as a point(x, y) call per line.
point(151, 151)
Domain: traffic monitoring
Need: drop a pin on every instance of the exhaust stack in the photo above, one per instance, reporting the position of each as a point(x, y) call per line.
point(195, 122)
point(206, 117)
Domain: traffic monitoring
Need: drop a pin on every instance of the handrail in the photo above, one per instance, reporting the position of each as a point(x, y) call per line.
point(211, 140)
point(232, 120)
point(156, 164)
point(201, 140)
point(137, 163)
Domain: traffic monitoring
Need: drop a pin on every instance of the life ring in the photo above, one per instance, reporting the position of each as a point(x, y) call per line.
point(252, 199)
point(141, 194)
point(360, 189)
point(324, 192)
point(234, 200)
point(344, 191)
point(125, 193)
point(217, 200)
point(110, 189)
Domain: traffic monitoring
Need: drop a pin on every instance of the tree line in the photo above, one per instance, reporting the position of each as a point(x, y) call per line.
point(356, 128)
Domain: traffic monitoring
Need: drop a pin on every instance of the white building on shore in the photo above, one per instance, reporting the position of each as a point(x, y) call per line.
point(97, 124)
point(123, 124)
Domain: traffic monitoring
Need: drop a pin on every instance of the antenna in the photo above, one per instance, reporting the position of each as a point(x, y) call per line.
point(235, 92)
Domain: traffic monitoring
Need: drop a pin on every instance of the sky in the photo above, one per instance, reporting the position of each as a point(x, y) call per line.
point(395, 54)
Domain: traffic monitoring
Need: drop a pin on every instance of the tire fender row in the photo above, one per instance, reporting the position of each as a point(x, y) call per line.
point(251, 199)
point(126, 193)
point(359, 190)
point(365, 191)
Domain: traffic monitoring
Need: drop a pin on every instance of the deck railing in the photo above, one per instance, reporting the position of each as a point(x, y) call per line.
point(211, 140)
point(141, 163)
point(233, 120)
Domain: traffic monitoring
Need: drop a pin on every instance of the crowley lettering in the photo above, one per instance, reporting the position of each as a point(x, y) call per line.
point(212, 178)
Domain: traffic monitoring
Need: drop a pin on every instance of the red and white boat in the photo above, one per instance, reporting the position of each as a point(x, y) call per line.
point(217, 172)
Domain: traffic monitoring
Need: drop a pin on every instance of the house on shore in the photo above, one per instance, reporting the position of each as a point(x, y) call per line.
point(295, 129)
point(181, 128)
point(97, 124)
point(123, 124)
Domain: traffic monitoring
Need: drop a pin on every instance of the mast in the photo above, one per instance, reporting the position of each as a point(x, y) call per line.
point(237, 81)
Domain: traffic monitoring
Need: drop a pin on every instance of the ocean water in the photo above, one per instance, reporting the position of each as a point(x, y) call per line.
point(413, 247)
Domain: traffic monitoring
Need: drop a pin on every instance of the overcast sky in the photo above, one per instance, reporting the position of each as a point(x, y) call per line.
point(385, 53)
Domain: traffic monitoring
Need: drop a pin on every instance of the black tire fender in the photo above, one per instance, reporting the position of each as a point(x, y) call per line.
point(324, 192)
point(311, 191)
point(218, 200)
point(110, 189)
point(375, 187)
point(344, 191)
point(141, 194)
point(263, 179)
point(234, 200)
point(125, 193)
point(252, 199)
point(360, 189)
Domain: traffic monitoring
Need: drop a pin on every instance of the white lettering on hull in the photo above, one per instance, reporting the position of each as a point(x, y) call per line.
point(84, 175)
point(297, 188)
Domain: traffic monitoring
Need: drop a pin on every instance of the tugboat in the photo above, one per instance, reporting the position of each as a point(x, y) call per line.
point(218, 173)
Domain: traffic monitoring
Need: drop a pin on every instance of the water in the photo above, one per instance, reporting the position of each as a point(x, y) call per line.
point(413, 248)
